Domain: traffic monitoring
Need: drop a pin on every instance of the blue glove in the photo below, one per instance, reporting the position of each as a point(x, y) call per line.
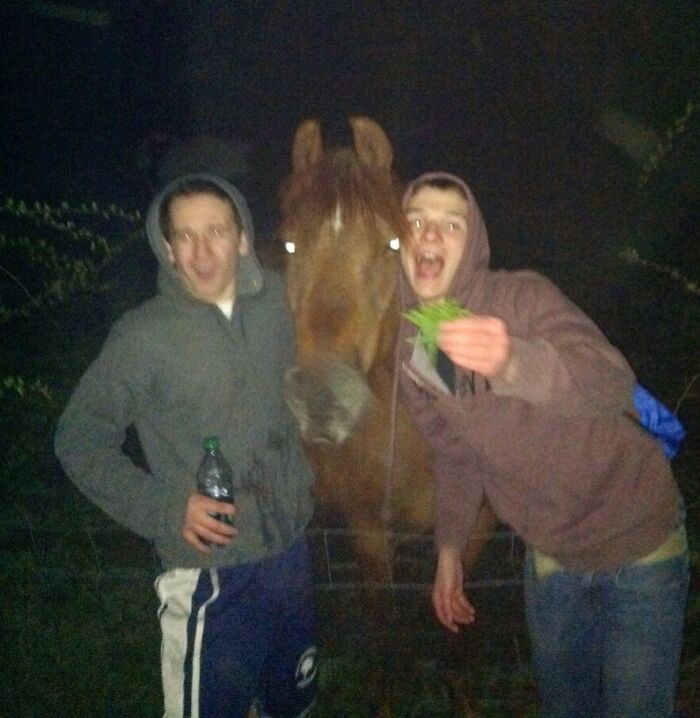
point(659, 421)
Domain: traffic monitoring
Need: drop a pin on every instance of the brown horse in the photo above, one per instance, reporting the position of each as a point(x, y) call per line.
point(342, 219)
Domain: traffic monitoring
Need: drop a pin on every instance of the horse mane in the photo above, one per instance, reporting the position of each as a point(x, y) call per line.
point(340, 179)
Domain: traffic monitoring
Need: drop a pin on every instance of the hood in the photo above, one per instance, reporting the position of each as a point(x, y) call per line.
point(249, 276)
point(477, 252)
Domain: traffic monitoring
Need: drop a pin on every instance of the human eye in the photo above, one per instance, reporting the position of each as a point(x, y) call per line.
point(415, 223)
point(452, 227)
point(217, 231)
point(180, 236)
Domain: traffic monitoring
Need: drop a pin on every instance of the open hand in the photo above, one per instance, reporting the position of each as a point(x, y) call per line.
point(451, 605)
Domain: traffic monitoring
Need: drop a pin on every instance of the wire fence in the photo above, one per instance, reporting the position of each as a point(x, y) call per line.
point(110, 551)
point(410, 561)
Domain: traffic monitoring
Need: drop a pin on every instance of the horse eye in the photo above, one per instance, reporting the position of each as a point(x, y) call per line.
point(290, 247)
point(394, 244)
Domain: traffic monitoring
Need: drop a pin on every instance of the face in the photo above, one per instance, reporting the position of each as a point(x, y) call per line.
point(204, 244)
point(438, 222)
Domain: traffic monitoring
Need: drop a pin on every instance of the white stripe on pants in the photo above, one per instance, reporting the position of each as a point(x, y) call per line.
point(175, 589)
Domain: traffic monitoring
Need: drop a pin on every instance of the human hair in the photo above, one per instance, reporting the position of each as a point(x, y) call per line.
point(189, 188)
point(442, 183)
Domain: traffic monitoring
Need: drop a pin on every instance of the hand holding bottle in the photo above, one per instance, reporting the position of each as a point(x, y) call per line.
point(209, 512)
point(200, 529)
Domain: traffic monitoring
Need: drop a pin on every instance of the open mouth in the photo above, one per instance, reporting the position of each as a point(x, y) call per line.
point(428, 265)
point(205, 275)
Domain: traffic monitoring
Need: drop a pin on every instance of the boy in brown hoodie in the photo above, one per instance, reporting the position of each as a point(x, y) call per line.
point(531, 407)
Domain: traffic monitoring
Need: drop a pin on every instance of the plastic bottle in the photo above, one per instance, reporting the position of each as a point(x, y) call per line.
point(215, 477)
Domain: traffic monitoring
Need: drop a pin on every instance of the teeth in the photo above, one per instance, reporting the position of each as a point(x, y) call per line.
point(429, 256)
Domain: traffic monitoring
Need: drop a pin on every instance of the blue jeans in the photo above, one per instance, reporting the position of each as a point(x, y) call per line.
point(607, 644)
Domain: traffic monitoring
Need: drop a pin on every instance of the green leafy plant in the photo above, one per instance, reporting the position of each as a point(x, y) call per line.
point(631, 256)
point(51, 252)
point(428, 317)
point(673, 132)
point(21, 387)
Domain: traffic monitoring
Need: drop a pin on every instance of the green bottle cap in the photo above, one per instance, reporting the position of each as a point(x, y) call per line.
point(211, 443)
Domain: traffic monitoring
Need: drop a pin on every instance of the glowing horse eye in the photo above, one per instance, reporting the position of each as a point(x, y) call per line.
point(290, 247)
point(394, 244)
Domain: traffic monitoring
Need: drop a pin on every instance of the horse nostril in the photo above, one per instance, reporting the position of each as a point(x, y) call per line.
point(300, 383)
point(323, 440)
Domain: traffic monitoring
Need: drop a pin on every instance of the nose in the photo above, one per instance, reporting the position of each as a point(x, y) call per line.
point(431, 232)
point(201, 248)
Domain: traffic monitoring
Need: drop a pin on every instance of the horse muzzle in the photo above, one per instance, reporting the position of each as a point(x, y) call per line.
point(328, 400)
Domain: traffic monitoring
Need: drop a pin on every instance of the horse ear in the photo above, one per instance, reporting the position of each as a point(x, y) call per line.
point(308, 145)
point(371, 143)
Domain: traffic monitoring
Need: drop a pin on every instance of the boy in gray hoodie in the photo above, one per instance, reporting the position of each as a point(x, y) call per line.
point(206, 357)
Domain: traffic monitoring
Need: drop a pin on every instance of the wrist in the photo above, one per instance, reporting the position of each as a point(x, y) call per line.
point(448, 553)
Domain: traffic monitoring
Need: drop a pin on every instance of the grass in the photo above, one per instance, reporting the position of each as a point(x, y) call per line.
point(84, 642)
point(77, 646)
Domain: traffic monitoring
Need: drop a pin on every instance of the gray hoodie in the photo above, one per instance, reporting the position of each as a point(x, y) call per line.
point(179, 371)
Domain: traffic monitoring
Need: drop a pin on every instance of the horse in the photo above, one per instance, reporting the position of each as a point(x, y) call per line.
point(341, 221)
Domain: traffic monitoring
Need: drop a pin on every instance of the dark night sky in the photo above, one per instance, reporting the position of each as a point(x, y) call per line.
point(467, 86)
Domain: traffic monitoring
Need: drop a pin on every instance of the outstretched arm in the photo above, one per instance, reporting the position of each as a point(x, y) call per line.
point(549, 353)
point(451, 605)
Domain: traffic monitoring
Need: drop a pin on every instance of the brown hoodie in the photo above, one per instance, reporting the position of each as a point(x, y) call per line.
point(556, 448)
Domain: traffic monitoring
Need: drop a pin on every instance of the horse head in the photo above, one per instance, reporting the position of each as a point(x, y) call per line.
point(341, 219)
point(341, 223)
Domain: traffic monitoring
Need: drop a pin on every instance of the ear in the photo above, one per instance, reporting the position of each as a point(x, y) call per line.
point(169, 251)
point(371, 143)
point(243, 245)
point(308, 145)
